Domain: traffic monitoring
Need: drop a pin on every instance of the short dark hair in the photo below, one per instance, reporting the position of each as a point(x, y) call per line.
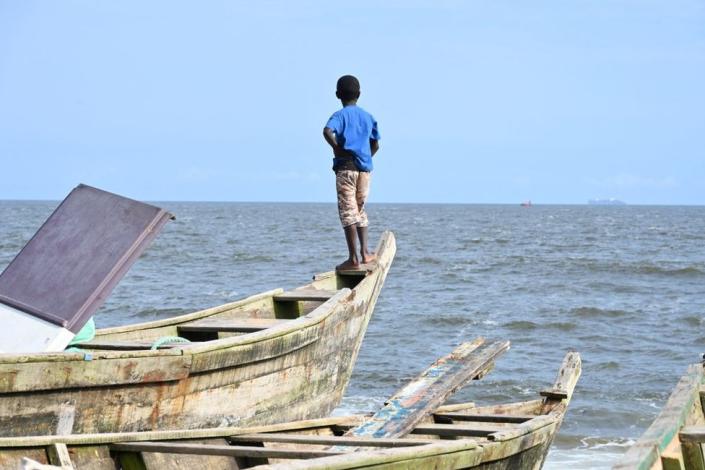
point(347, 88)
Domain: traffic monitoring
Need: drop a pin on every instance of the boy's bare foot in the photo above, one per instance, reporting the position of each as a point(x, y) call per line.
point(368, 258)
point(347, 264)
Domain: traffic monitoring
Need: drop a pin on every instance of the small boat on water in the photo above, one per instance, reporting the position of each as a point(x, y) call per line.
point(675, 438)
point(273, 357)
point(425, 433)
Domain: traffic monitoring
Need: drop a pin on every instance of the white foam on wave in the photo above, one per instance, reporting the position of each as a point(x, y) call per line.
point(594, 453)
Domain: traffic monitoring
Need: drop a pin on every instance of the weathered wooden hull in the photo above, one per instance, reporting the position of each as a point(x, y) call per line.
point(296, 369)
point(674, 440)
point(462, 436)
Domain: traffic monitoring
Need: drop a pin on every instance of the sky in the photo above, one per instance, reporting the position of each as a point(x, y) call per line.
point(477, 101)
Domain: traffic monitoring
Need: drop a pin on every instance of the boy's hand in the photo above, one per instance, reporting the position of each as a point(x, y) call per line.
point(374, 146)
point(338, 151)
point(329, 136)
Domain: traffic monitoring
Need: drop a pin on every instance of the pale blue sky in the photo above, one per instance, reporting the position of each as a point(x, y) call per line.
point(478, 101)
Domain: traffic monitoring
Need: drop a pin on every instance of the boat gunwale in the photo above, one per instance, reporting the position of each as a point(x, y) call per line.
point(174, 434)
point(313, 318)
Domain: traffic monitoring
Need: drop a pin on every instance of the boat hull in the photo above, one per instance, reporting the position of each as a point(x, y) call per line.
point(298, 369)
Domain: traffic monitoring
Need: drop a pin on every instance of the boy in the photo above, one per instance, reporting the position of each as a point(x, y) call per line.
point(353, 135)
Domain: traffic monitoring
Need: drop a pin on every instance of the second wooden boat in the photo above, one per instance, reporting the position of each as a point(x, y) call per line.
point(273, 357)
point(675, 438)
point(462, 436)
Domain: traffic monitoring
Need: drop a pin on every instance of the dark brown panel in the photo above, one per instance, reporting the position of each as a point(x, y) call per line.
point(73, 262)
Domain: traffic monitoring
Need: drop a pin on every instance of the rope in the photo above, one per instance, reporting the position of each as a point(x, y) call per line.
point(169, 340)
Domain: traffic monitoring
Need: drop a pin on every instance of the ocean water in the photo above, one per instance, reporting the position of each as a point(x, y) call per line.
point(624, 286)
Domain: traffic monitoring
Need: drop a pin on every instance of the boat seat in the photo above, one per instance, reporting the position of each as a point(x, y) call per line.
point(484, 418)
point(361, 271)
point(240, 325)
point(305, 295)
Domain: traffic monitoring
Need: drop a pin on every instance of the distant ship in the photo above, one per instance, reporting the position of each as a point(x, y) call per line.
point(526, 204)
point(607, 202)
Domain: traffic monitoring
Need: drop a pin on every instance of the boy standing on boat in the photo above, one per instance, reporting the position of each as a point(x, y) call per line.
point(352, 133)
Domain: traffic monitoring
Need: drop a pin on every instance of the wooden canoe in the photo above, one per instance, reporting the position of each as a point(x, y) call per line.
point(496, 437)
point(674, 440)
point(270, 358)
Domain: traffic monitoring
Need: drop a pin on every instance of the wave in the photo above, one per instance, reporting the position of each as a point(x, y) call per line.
point(451, 320)
point(563, 326)
point(649, 269)
point(693, 320)
point(250, 257)
point(597, 312)
point(521, 325)
point(675, 272)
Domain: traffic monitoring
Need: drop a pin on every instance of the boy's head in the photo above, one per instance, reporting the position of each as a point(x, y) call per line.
point(348, 88)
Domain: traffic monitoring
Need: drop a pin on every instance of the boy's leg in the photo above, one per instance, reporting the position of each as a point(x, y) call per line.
point(346, 184)
point(351, 239)
point(363, 190)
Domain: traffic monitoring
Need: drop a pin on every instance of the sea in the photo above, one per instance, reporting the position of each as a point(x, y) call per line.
point(622, 285)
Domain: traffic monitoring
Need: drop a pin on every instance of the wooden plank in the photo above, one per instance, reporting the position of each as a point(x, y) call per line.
point(330, 440)
point(692, 434)
point(484, 418)
point(525, 428)
point(76, 440)
point(233, 451)
point(693, 456)
point(362, 270)
point(447, 454)
point(672, 457)
point(124, 345)
point(308, 295)
point(419, 398)
point(59, 455)
point(455, 407)
point(244, 325)
point(157, 367)
point(457, 430)
point(554, 394)
point(567, 378)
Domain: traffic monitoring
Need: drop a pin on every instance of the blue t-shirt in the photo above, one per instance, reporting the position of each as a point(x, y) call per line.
point(354, 127)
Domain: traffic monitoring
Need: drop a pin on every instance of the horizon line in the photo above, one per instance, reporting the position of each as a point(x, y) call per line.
point(386, 202)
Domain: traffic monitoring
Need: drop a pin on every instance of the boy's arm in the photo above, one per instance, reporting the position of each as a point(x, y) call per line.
point(374, 146)
point(329, 136)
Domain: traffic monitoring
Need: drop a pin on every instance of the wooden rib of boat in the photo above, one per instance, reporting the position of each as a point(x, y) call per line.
point(273, 357)
point(675, 438)
point(502, 436)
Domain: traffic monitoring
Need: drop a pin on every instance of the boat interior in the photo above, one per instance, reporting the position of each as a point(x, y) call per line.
point(250, 315)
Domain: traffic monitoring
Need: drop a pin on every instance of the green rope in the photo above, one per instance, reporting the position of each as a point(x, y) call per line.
point(169, 340)
point(87, 356)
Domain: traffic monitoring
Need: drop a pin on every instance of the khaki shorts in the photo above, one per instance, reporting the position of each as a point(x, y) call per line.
point(352, 188)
